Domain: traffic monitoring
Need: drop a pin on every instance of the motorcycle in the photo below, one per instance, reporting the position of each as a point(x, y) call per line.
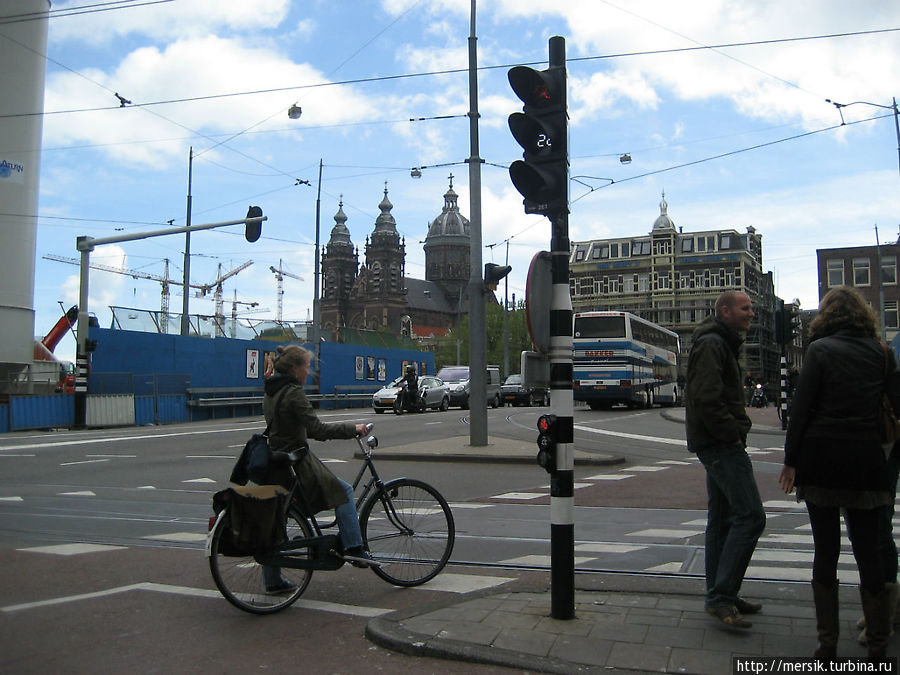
point(406, 403)
point(758, 399)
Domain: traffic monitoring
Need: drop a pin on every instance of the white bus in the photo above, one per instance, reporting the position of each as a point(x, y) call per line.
point(622, 358)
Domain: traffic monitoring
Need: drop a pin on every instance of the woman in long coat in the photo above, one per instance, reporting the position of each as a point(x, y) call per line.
point(833, 456)
point(292, 420)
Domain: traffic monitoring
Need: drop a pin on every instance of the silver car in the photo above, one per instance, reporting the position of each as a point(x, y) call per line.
point(432, 390)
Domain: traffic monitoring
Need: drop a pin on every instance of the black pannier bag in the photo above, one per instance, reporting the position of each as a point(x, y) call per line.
point(255, 516)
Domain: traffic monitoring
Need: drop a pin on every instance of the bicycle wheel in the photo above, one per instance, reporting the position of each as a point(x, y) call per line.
point(240, 578)
point(408, 528)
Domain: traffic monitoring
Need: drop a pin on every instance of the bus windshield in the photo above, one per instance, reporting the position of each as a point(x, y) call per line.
point(600, 326)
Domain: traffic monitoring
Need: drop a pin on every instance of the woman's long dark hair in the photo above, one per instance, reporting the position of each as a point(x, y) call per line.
point(843, 308)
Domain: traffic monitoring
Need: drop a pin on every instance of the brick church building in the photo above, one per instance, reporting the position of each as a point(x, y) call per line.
point(377, 295)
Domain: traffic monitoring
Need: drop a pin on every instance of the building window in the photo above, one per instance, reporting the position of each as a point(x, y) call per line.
point(687, 245)
point(861, 272)
point(598, 287)
point(595, 252)
point(662, 247)
point(889, 271)
point(613, 284)
point(706, 244)
point(580, 253)
point(630, 281)
point(625, 249)
point(640, 247)
point(643, 282)
point(376, 276)
point(725, 241)
point(890, 315)
point(835, 272)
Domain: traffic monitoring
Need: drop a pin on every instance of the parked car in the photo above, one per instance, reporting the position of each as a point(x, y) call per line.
point(515, 393)
point(434, 391)
point(457, 379)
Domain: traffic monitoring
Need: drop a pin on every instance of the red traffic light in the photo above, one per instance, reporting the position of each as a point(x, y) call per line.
point(546, 423)
point(537, 88)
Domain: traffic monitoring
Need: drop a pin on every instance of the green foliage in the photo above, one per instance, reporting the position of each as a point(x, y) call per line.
point(519, 340)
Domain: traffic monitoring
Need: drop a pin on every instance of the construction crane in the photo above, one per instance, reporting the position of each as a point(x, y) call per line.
point(280, 274)
point(220, 313)
point(135, 274)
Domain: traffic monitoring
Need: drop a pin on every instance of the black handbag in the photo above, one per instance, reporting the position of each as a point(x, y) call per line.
point(257, 449)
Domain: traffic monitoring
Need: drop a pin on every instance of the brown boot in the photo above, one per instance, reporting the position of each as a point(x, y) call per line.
point(893, 591)
point(877, 613)
point(827, 625)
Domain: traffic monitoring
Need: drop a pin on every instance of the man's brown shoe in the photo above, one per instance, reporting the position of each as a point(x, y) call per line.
point(729, 615)
point(747, 607)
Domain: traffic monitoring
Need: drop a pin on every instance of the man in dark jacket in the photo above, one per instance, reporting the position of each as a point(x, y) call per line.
point(717, 426)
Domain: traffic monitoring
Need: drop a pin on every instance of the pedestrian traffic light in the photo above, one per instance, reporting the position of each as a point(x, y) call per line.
point(252, 231)
point(493, 274)
point(542, 129)
point(779, 325)
point(546, 442)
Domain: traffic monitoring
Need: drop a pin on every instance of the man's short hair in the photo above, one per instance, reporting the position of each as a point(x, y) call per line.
point(727, 299)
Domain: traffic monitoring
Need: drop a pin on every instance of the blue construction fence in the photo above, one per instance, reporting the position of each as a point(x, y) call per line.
point(174, 378)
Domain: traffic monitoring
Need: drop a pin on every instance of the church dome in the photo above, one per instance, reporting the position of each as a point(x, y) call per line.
point(450, 222)
point(340, 235)
point(663, 222)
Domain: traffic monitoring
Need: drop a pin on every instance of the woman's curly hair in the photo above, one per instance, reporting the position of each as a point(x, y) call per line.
point(843, 308)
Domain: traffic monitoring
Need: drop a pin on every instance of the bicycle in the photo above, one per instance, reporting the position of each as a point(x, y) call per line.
point(406, 524)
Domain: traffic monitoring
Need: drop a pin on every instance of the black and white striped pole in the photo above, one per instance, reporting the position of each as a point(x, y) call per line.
point(542, 177)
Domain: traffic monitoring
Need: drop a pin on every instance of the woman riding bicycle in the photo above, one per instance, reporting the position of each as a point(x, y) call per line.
point(291, 421)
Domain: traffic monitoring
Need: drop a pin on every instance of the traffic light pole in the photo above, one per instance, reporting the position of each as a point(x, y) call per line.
point(562, 484)
point(562, 488)
point(87, 244)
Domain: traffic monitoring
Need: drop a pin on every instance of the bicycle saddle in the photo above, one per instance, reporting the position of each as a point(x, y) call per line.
point(279, 458)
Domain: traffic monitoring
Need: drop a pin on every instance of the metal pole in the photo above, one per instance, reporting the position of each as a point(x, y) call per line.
point(506, 317)
point(82, 359)
point(896, 127)
point(477, 340)
point(880, 287)
point(562, 488)
point(316, 336)
point(185, 308)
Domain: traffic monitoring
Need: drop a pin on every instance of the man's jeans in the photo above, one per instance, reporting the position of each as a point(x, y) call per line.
point(735, 521)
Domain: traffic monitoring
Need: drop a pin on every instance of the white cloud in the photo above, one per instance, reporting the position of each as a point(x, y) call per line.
point(174, 20)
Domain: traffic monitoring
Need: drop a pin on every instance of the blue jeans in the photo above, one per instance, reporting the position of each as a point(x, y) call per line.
point(348, 526)
point(735, 521)
point(347, 520)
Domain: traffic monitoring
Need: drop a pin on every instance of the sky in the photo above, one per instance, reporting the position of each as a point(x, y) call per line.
point(735, 135)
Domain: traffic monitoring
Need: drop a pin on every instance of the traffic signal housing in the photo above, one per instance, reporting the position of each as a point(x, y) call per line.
point(493, 274)
point(542, 129)
point(252, 231)
point(546, 442)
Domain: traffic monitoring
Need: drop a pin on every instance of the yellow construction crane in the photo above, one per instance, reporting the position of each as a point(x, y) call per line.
point(280, 274)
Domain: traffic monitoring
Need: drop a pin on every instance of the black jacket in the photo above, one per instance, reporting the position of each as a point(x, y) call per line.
point(715, 414)
point(838, 397)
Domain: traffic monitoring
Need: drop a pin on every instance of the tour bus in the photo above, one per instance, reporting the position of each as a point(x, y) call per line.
point(622, 358)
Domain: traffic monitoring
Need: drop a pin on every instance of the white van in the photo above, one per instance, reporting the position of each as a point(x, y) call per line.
point(457, 379)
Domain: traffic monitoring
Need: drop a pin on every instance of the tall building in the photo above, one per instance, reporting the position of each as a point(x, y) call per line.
point(858, 266)
point(377, 295)
point(673, 278)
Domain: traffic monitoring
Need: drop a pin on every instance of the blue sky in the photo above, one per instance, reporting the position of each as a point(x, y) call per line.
point(105, 171)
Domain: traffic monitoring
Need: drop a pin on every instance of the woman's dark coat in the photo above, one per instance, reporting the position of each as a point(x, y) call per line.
point(291, 421)
point(832, 437)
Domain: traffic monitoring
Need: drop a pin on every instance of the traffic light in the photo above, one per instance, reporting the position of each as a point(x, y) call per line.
point(546, 442)
point(542, 129)
point(792, 319)
point(493, 274)
point(253, 230)
point(779, 325)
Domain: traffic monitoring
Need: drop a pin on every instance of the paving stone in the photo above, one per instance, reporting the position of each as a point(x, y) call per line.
point(623, 632)
point(683, 637)
point(699, 662)
point(505, 619)
point(645, 658)
point(476, 633)
point(535, 643)
point(564, 626)
point(582, 650)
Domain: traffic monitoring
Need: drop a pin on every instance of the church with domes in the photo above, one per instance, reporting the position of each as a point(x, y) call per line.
point(376, 294)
